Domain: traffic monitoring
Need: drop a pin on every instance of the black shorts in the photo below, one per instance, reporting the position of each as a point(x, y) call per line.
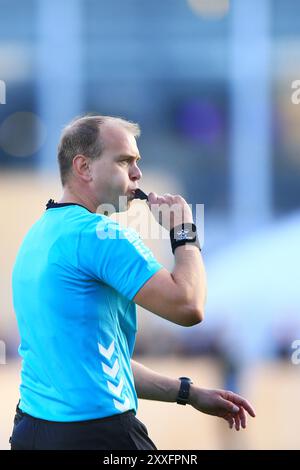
point(119, 432)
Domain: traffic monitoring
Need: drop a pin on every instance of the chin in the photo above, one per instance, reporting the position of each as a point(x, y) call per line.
point(123, 203)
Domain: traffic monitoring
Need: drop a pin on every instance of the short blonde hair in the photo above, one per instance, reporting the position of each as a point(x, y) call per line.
point(83, 136)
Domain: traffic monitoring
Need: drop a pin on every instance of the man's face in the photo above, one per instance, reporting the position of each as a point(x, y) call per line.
point(116, 173)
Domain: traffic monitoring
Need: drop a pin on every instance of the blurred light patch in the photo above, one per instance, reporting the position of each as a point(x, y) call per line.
point(200, 120)
point(287, 120)
point(286, 58)
point(2, 92)
point(22, 134)
point(2, 353)
point(15, 62)
point(213, 9)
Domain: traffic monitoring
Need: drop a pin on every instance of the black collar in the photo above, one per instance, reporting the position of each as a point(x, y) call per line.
point(52, 205)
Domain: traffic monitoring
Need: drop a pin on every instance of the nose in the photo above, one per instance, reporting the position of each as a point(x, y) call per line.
point(136, 173)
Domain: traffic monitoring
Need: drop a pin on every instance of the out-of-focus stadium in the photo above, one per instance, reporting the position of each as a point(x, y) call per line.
point(213, 85)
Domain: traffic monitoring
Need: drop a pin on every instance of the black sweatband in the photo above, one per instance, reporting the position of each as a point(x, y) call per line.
point(183, 234)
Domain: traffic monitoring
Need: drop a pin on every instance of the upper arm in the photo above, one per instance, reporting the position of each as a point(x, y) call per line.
point(162, 296)
point(116, 256)
point(119, 258)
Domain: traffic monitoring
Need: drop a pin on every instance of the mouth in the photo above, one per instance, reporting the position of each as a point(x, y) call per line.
point(131, 195)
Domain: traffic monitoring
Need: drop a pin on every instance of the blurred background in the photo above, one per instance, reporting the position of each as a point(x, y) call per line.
point(211, 84)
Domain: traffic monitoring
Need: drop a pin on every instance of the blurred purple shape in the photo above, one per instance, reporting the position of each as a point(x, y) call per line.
point(200, 121)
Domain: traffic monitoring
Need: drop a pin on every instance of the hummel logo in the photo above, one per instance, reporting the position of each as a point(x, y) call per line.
point(122, 406)
point(111, 371)
point(107, 352)
point(116, 390)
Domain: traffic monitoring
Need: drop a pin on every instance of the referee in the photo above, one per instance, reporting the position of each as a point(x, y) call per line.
point(76, 282)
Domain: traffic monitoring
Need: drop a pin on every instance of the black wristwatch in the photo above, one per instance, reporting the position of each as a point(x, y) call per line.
point(184, 391)
point(183, 234)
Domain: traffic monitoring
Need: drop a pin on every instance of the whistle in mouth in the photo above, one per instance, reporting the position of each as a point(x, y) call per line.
point(139, 194)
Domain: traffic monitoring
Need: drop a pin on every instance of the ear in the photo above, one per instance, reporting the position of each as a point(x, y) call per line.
point(81, 167)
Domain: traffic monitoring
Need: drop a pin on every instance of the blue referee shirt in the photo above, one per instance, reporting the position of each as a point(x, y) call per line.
point(74, 279)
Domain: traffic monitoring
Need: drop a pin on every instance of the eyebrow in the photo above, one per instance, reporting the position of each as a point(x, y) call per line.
point(132, 157)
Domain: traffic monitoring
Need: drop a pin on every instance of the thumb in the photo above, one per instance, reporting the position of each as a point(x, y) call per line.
point(152, 198)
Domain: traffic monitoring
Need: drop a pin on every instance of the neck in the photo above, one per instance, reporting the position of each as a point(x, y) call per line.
point(69, 195)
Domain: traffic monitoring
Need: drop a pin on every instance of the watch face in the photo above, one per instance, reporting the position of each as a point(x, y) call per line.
point(183, 234)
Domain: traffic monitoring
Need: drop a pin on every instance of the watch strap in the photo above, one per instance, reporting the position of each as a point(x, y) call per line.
point(184, 390)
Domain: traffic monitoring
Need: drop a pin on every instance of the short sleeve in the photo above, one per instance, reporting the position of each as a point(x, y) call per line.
point(116, 256)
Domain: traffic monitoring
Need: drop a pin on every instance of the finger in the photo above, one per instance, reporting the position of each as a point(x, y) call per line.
point(237, 422)
point(243, 418)
point(161, 200)
point(241, 402)
point(230, 421)
point(228, 405)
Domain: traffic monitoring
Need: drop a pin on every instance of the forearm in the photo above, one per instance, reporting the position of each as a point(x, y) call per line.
point(189, 274)
point(151, 385)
